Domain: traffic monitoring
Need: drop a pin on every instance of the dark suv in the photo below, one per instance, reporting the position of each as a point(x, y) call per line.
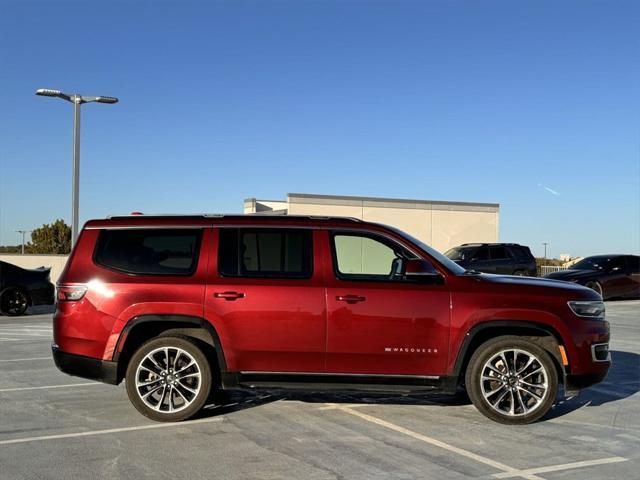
point(182, 306)
point(501, 258)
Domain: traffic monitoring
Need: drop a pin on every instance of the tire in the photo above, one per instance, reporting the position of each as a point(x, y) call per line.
point(520, 273)
point(506, 399)
point(596, 287)
point(150, 376)
point(14, 302)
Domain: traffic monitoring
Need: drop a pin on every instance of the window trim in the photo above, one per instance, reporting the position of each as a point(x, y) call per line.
point(363, 277)
point(194, 267)
point(285, 276)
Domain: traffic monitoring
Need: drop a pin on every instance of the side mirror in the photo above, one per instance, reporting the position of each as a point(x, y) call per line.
point(615, 269)
point(420, 270)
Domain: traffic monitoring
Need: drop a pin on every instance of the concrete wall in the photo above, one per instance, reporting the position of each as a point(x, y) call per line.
point(440, 224)
point(56, 262)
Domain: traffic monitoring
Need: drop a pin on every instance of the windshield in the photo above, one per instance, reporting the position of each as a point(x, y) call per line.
point(592, 263)
point(448, 263)
point(458, 253)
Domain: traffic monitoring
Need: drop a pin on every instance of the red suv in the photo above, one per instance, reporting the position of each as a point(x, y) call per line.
point(179, 306)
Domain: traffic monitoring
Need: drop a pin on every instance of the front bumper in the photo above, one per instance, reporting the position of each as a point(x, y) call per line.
point(575, 383)
point(86, 367)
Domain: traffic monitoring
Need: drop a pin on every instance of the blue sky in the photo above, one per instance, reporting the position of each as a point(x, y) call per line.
point(488, 101)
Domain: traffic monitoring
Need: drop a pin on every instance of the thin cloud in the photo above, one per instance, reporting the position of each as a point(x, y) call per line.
point(549, 189)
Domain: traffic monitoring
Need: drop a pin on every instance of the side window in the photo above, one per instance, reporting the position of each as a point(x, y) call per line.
point(149, 251)
point(499, 253)
point(361, 257)
point(481, 254)
point(633, 265)
point(265, 253)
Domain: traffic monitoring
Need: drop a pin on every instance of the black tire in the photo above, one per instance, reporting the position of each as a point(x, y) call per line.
point(14, 302)
point(595, 286)
point(530, 403)
point(165, 377)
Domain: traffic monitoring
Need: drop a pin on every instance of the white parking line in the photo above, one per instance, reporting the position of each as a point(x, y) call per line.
point(111, 430)
point(437, 443)
point(507, 471)
point(3, 339)
point(69, 385)
point(564, 466)
point(25, 359)
point(25, 334)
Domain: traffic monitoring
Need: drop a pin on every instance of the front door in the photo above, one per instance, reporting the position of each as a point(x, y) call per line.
point(379, 322)
point(265, 296)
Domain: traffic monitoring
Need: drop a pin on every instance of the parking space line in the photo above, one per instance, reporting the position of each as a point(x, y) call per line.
point(111, 430)
point(513, 472)
point(564, 466)
point(25, 359)
point(25, 334)
point(69, 385)
point(3, 339)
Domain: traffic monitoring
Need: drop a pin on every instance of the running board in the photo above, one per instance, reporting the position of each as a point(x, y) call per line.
point(331, 381)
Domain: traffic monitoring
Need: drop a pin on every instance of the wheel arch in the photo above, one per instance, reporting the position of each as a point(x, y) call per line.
point(542, 335)
point(144, 327)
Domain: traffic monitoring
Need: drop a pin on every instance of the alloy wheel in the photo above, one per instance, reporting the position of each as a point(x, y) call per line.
point(14, 302)
point(514, 382)
point(168, 379)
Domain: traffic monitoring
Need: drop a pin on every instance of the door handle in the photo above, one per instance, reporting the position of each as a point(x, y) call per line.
point(350, 298)
point(229, 296)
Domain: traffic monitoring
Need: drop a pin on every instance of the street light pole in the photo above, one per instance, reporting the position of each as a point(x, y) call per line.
point(75, 175)
point(23, 232)
point(545, 250)
point(77, 101)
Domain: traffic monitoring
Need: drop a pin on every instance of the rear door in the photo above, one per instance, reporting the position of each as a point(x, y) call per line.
point(265, 296)
point(378, 322)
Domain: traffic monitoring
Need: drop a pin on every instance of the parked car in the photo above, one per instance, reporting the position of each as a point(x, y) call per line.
point(502, 258)
point(21, 288)
point(179, 306)
point(612, 276)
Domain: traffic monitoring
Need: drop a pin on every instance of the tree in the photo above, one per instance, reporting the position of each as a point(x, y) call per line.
point(54, 238)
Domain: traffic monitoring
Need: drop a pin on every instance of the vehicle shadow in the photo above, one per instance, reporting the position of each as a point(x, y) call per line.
point(623, 380)
point(233, 401)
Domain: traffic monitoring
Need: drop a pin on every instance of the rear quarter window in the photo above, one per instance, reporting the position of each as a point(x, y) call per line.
point(149, 251)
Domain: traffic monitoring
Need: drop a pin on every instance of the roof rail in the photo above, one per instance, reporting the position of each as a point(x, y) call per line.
point(271, 216)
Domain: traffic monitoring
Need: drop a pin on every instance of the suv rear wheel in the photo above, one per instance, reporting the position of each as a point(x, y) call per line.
point(168, 379)
point(511, 380)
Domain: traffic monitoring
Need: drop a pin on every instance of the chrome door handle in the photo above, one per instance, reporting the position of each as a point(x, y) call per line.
point(350, 298)
point(229, 296)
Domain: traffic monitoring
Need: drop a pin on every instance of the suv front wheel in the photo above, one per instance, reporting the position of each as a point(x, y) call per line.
point(511, 380)
point(168, 379)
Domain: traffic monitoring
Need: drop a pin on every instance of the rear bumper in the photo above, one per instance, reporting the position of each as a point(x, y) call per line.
point(85, 367)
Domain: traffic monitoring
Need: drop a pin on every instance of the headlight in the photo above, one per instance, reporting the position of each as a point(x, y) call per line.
point(587, 308)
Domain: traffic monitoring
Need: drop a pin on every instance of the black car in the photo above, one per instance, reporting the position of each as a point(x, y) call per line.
point(21, 288)
point(502, 258)
point(612, 276)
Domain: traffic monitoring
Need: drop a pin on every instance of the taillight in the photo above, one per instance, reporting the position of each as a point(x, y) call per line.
point(71, 293)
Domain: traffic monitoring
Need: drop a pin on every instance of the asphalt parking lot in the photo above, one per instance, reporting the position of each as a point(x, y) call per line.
point(53, 426)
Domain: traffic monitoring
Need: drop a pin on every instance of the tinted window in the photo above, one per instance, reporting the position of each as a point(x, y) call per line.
point(522, 254)
point(499, 253)
point(279, 253)
point(363, 257)
point(459, 253)
point(149, 252)
point(481, 254)
point(633, 265)
point(593, 263)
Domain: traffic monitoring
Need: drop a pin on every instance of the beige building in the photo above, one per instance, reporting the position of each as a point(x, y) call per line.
point(440, 224)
